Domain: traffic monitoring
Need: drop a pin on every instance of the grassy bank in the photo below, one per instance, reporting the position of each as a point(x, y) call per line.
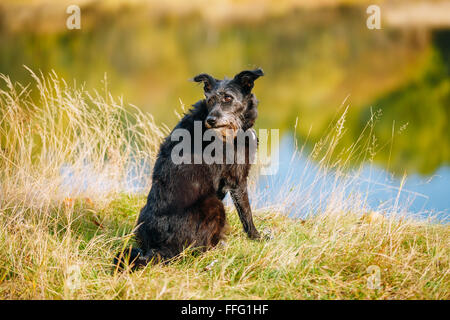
point(330, 256)
point(66, 159)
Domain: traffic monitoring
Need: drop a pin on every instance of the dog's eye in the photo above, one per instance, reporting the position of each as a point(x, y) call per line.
point(227, 98)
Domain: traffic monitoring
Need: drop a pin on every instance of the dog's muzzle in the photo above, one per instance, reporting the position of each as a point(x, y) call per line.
point(222, 128)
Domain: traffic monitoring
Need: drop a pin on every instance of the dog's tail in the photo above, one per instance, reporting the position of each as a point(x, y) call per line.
point(133, 258)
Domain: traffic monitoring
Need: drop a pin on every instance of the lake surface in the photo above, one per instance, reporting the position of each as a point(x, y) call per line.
point(317, 62)
point(304, 188)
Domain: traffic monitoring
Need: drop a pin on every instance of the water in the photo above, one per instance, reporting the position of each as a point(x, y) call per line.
point(300, 187)
point(312, 187)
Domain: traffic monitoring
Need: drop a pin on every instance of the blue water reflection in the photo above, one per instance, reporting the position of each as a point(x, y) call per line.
point(305, 188)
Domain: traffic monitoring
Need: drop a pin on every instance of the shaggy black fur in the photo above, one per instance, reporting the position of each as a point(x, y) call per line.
point(184, 207)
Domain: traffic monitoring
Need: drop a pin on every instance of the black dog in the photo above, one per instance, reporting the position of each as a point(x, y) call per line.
point(184, 207)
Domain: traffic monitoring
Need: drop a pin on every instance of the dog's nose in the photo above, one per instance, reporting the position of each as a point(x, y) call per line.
point(211, 121)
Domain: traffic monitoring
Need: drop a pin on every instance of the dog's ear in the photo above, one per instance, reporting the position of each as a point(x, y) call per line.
point(246, 79)
point(208, 81)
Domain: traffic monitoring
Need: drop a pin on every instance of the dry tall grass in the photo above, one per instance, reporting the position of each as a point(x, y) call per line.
point(51, 144)
point(67, 158)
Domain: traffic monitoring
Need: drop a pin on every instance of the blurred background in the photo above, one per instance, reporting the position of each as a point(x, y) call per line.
point(316, 55)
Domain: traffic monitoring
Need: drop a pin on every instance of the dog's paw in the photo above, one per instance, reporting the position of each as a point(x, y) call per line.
point(267, 234)
point(254, 236)
point(264, 235)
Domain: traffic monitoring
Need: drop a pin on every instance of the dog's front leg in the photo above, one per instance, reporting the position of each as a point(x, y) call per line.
point(240, 200)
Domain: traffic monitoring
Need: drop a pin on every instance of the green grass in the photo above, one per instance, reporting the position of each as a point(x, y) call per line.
point(58, 243)
point(324, 257)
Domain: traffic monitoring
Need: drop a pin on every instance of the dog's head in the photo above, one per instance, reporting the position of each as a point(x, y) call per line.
point(230, 102)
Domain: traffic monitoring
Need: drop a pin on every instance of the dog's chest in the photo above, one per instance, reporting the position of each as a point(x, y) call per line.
point(231, 176)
